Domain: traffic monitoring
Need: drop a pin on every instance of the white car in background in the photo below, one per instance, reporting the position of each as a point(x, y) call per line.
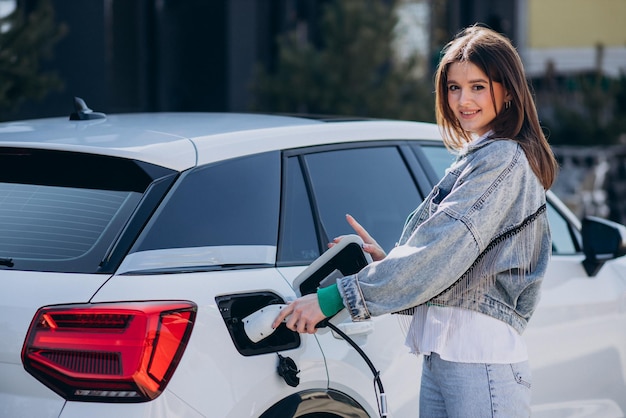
point(132, 246)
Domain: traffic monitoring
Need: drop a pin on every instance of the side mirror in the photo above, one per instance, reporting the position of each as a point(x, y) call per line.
point(602, 241)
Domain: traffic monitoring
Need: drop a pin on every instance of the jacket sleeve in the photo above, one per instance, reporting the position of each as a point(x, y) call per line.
point(463, 218)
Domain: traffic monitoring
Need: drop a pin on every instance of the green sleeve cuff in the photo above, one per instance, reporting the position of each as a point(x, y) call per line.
point(330, 300)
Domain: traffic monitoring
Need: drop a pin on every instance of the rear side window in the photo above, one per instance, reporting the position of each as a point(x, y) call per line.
point(62, 211)
point(229, 203)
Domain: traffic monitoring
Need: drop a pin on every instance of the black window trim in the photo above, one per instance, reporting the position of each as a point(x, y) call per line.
point(150, 201)
point(423, 160)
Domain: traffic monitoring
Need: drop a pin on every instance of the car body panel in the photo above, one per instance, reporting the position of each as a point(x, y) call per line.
point(167, 141)
point(229, 145)
point(604, 408)
point(165, 406)
point(577, 334)
point(23, 293)
point(349, 373)
point(223, 368)
point(102, 137)
point(21, 395)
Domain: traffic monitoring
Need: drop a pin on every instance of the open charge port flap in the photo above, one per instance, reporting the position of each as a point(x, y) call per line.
point(236, 307)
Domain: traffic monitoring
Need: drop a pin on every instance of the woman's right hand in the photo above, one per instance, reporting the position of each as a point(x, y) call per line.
point(369, 244)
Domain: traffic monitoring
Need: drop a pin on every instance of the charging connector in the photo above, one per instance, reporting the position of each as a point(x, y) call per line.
point(258, 325)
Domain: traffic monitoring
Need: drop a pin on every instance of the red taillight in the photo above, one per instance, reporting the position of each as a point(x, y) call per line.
point(108, 352)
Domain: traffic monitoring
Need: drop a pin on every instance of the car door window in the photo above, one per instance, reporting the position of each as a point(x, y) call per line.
point(373, 184)
point(439, 157)
point(563, 242)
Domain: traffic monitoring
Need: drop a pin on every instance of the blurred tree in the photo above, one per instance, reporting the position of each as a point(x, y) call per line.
point(353, 72)
point(587, 110)
point(24, 40)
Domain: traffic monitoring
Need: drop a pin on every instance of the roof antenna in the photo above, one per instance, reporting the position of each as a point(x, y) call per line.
point(82, 112)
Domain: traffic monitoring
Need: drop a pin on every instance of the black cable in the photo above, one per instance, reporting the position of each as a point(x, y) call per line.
point(382, 403)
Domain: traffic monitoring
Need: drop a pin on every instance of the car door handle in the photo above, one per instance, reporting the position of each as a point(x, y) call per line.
point(355, 328)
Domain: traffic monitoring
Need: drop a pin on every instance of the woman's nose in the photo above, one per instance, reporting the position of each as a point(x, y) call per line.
point(464, 96)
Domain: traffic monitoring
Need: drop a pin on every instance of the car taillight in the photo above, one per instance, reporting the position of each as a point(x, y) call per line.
point(108, 352)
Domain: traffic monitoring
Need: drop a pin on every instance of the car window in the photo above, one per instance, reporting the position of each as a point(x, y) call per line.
point(563, 242)
point(62, 211)
point(439, 157)
point(373, 184)
point(230, 203)
point(50, 223)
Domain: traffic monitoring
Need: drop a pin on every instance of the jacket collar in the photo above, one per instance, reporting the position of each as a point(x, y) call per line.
point(478, 142)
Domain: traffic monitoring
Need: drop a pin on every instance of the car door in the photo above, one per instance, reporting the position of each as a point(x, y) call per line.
point(576, 335)
point(576, 339)
point(377, 184)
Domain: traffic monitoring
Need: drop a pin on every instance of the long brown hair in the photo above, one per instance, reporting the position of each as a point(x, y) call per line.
point(494, 54)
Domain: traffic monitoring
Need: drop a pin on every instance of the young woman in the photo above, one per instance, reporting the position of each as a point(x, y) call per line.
point(471, 257)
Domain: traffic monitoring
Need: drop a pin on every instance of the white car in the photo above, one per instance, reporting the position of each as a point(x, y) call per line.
point(133, 246)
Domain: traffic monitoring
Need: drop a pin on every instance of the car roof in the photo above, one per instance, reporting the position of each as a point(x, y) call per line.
point(182, 140)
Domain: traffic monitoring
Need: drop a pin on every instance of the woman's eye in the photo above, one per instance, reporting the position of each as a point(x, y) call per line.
point(479, 87)
point(453, 88)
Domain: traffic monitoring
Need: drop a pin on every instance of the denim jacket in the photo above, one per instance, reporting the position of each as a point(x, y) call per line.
point(480, 240)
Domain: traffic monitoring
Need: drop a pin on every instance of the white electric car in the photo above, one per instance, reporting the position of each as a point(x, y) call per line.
point(133, 246)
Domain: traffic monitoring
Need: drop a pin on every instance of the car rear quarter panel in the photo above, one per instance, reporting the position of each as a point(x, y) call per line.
point(212, 377)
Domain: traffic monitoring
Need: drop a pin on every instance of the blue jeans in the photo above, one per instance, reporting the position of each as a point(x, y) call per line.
point(474, 390)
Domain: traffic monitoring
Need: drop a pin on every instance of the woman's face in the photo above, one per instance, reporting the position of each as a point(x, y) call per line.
point(469, 97)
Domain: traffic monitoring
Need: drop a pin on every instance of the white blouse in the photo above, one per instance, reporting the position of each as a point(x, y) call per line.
point(464, 336)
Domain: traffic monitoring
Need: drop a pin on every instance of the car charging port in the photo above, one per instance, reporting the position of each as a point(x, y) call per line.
point(234, 308)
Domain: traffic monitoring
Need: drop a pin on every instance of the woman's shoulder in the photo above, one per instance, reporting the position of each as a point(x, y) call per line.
point(496, 152)
point(500, 144)
point(497, 158)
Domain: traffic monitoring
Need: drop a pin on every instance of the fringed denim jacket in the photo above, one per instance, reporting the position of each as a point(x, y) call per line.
point(480, 241)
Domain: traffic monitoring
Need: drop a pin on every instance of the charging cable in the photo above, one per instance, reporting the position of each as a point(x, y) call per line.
point(381, 397)
point(258, 326)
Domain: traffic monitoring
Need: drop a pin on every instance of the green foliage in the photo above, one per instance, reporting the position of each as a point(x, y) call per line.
point(352, 73)
point(588, 110)
point(24, 41)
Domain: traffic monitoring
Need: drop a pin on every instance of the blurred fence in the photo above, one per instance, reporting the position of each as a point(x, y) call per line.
point(592, 180)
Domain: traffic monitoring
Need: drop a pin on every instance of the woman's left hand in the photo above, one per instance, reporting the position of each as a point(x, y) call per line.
point(303, 314)
point(369, 244)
